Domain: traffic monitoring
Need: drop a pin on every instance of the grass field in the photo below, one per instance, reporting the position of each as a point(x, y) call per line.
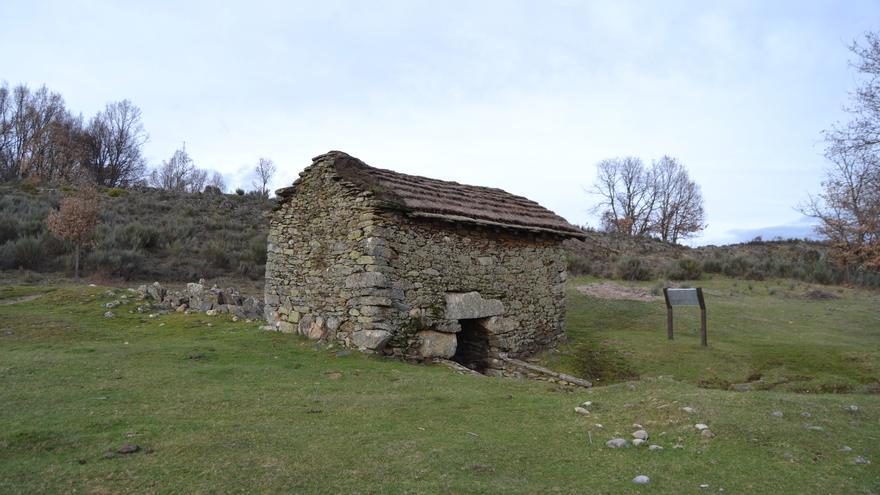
point(220, 407)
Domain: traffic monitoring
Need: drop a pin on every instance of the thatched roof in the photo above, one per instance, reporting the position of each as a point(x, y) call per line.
point(449, 201)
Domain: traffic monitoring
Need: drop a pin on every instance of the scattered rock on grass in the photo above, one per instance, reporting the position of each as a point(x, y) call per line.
point(707, 433)
point(109, 314)
point(638, 441)
point(852, 408)
point(616, 443)
point(640, 434)
point(581, 410)
point(688, 409)
point(641, 480)
point(846, 448)
point(861, 460)
point(655, 447)
point(701, 426)
point(128, 448)
point(815, 428)
point(678, 446)
point(805, 414)
point(777, 414)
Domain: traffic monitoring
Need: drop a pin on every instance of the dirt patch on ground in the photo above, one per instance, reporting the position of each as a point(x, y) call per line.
point(608, 290)
point(20, 299)
point(820, 295)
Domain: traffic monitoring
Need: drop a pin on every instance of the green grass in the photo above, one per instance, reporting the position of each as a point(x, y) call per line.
point(767, 334)
point(229, 409)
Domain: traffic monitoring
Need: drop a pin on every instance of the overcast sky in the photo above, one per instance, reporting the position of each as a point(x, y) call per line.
point(525, 96)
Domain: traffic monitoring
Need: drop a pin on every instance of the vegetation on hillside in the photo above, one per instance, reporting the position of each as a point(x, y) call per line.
point(142, 233)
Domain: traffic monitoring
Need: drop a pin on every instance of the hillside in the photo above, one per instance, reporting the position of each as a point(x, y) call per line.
point(149, 234)
point(143, 234)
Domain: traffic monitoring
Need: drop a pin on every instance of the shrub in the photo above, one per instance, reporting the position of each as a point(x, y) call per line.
point(714, 265)
point(685, 269)
point(239, 191)
point(578, 264)
point(120, 263)
point(216, 253)
point(257, 249)
point(8, 228)
point(115, 192)
point(138, 236)
point(24, 252)
point(629, 268)
point(737, 267)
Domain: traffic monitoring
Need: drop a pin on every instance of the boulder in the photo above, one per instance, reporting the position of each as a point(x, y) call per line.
point(437, 344)
point(499, 325)
point(471, 305)
point(370, 339)
point(616, 443)
point(640, 434)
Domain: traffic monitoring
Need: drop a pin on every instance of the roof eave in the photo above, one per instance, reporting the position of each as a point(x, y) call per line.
point(490, 223)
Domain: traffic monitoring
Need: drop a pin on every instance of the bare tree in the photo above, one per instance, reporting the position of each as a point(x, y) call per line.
point(174, 174)
point(217, 181)
point(75, 221)
point(197, 180)
point(848, 208)
point(627, 195)
point(679, 204)
point(263, 173)
point(116, 139)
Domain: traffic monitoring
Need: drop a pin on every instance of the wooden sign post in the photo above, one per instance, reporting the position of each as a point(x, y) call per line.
point(686, 297)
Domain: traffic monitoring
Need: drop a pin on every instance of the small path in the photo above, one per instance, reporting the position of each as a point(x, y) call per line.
point(20, 299)
point(608, 290)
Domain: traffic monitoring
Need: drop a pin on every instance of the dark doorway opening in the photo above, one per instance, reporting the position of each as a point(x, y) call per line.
point(472, 349)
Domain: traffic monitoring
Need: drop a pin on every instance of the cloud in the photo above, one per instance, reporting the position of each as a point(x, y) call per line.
point(803, 228)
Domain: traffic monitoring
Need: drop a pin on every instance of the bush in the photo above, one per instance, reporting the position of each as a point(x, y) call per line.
point(120, 263)
point(239, 191)
point(629, 268)
point(257, 249)
point(736, 267)
point(217, 254)
point(8, 228)
point(25, 252)
point(115, 192)
point(138, 236)
point(685, 269)
point(713, 265)
point(578, 265)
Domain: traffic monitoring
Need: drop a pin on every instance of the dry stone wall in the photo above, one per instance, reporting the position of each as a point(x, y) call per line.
point(512, 283)
point(323, 276)
point(343, 268)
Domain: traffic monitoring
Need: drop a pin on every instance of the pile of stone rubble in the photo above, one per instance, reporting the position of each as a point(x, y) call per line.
point(196, 297)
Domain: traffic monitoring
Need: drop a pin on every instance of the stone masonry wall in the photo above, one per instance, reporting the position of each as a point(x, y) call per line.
point(439, 264)
point(341, 269)
point(322, 276)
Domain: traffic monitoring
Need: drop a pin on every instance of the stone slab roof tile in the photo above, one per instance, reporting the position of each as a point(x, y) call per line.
point(450, 201)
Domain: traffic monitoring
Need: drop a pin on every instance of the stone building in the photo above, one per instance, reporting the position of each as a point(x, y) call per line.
point(414, 267)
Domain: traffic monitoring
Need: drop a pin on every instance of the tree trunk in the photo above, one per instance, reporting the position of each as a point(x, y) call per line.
point(76, 263)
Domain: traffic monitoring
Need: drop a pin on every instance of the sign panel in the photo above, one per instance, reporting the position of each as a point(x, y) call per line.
point(682, 297)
